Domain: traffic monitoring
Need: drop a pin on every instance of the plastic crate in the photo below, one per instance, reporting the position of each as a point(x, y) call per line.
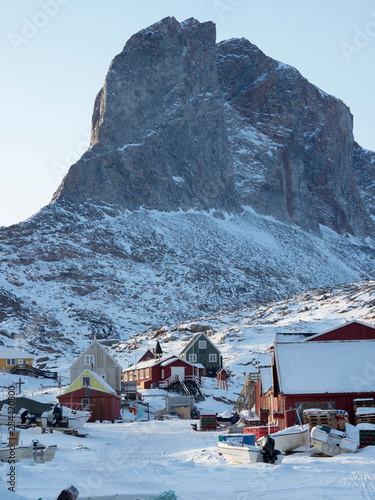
point(366, 438)
point(260, 431)
point(208, 422)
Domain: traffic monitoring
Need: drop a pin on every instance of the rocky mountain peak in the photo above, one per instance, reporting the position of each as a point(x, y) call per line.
point(159, 138)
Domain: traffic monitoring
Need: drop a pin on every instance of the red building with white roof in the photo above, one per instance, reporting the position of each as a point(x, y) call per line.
point(327, 370)
point(157, 372)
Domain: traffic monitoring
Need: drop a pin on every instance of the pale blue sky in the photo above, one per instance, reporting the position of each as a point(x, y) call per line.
point(55, 55)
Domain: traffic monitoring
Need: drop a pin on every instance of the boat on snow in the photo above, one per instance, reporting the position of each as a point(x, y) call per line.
point(61, 418)
point(236, 449)
point(22, 417)
point(332, 442)
point(36, 451)
point(291, 438)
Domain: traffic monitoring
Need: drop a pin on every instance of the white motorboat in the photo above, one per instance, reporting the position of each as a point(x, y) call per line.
point(236, 453)
point(61, 418)
point(36, 451)
point(332, 442)
point(291, 438)
point(22, 417)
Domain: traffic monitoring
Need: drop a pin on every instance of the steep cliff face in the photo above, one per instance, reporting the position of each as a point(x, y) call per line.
point(159, 138)
point(292, 143)
point(160, 134)
point(364, 169)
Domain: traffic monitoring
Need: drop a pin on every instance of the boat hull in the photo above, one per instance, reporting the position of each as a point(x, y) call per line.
point(40, 453)
point(240, 454)
point(332, 443)
point(290, 441)
point(71, 419)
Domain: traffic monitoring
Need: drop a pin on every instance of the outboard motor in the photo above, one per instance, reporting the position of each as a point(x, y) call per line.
point(267, 443)
point(70, 493)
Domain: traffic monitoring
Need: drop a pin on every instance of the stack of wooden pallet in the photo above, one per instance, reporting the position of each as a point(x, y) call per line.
point(364, 411)
point(336, 419)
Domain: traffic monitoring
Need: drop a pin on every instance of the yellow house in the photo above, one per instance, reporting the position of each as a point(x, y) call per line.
point(9, 358)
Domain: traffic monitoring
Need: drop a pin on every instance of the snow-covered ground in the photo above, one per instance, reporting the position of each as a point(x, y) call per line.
point(156, 456)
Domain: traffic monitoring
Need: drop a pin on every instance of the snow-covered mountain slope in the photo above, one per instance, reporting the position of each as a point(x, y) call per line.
point(217, 179)
point(63, 282)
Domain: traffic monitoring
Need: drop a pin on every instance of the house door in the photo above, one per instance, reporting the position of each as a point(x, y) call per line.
point(178, 370)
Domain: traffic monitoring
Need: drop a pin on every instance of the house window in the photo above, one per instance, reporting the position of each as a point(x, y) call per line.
point(192, 358)
point(162, 373)
point(125, 377)
point(85, 404)
point(11, 362)
point(147, 372)
point(86, 382)
point(89, 359)
point(104, 376)
point(130, 376)
point(140, 373)
point(202, 344)
point(212, 358)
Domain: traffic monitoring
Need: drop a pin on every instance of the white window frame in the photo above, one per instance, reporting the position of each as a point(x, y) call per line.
point(193, 358)
point(212, 358)
point(11, 361)
point(141, 373)
point(86, 377)
point(125, 377)
point(88, 358)
point(104, 376)
point(147, 372)
point(202, 344)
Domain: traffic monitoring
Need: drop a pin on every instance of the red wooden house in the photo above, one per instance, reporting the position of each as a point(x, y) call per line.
point(327, 371)
point(157, 372)
point(147, 356)
point(90, 392)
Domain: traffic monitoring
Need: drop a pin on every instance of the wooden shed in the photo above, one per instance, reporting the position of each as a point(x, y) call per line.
point(90, 392)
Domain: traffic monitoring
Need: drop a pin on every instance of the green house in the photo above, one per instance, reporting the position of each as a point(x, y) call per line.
point(201, 350)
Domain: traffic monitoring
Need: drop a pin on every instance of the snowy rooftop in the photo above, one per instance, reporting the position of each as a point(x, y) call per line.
point(266, 377)
point(326, 367)
point(15, 353)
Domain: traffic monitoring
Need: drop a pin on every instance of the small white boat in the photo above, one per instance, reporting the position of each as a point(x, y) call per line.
point(332, 442)
point(61, 418)
point(235, 453)
point(36, 451)
point(240, 454)
point(22, 417)
point(291, 438)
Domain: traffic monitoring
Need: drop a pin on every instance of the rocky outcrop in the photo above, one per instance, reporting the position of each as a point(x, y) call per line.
point(292, 143)
point(364, 169)
point(159, 138)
